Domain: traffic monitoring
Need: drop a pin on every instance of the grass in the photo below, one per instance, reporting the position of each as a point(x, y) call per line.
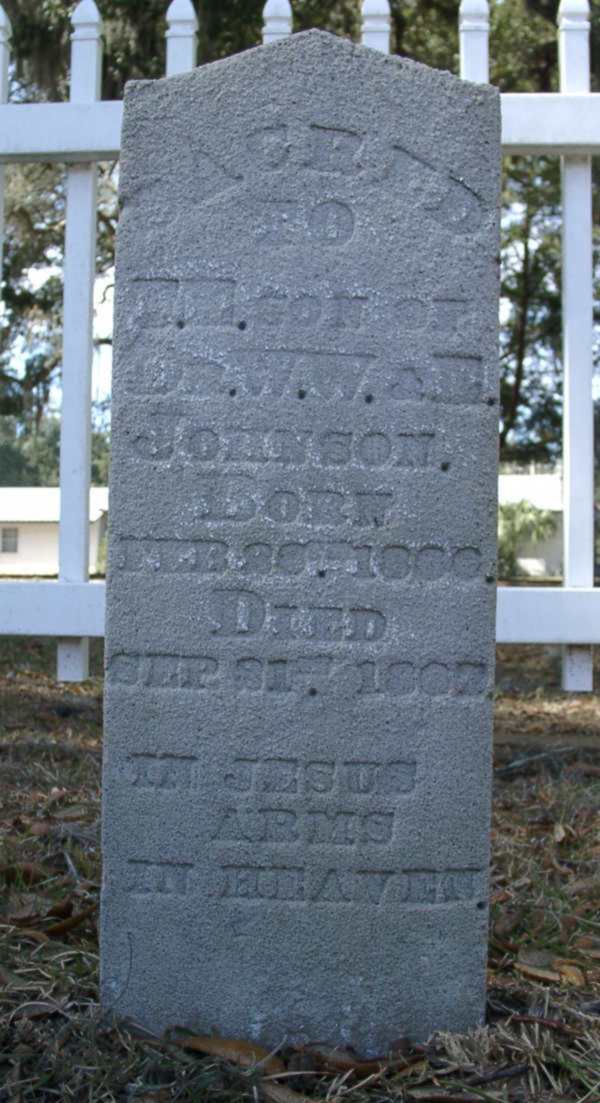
point(542, 1039)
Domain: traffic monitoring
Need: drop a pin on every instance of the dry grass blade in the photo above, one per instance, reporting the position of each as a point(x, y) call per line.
point(337, 1060)
point(544, 916)
point(425, 1095)
point(62, 909)
point(70, 924)
point(27, 933)
point(39, 1009)
point(25, 873)
point(236, 1050)
point(279, 1093)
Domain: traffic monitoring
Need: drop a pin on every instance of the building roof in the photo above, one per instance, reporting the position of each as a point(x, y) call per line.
point(543, 491)
point(22, 504)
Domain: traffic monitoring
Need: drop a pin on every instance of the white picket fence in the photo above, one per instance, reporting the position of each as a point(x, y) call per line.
point(86, 130)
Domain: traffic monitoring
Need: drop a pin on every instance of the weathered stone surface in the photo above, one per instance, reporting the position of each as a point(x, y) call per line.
point(300, 599)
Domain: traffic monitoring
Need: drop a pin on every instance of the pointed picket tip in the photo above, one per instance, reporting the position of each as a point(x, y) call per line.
point(474, 7)
point(181, 11)
point(578, 9)
point(573, 15)
point(85, 13)
point(474, 15)
point(277, 9)
point(376, 9)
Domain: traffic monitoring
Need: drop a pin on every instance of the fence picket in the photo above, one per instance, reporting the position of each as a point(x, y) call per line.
point(181, 36)
point(5, 29)
point(474, 33)
point(79, 271)
point(376, 25)
point(83, 130)
point(277, 20)
point(577, 302)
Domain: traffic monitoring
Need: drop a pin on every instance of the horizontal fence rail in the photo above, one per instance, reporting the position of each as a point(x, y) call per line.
point(525, 614)
point(86, 130)
point(549, 122)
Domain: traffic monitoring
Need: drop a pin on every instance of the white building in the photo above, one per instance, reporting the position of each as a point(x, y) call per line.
point(29, 526)
point(29, 529)
point(544, 490)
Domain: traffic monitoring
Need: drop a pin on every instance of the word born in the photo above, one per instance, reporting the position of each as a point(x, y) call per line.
point(317, 558)
point(292, 775)
point(307, 673)
point(302, 884)
point(162, 435)
point(238, 499)
point(313, 827)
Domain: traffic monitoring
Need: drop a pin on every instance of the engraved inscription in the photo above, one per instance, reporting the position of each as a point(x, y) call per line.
point(161, 771)
point(158, 878)
point(290, 222)
point(239, 499)
point(335, 151)
point(303, 884)
point(243, 613)
point(211, 177)
point(315, 558)
point(313, 827)
point(335, 311)
point(304, 674)
point(358, 777)
point(164, 671)
point(161, 436)
point(396, 679)
point(439, 194)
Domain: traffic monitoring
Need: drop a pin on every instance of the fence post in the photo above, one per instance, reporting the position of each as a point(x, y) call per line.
point(577, 307)
point(474, 33)
point(79, 272)
point(376, 25)
point(4, 59)
point(182, 31)
point(277, 20)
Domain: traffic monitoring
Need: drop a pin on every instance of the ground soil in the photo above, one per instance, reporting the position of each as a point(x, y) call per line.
point(541, 1043)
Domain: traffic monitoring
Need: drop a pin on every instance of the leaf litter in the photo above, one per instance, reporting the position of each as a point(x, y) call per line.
point(541, 1042)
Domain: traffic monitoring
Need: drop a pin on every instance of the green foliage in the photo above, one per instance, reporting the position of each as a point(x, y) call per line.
point(29, 455)
point(524, 53)
point(520, 523)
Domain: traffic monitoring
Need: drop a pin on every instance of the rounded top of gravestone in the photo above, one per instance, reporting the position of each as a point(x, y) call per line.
point(319, 52)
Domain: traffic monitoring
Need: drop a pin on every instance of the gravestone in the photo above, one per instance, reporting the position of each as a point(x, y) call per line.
point(301, 592)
